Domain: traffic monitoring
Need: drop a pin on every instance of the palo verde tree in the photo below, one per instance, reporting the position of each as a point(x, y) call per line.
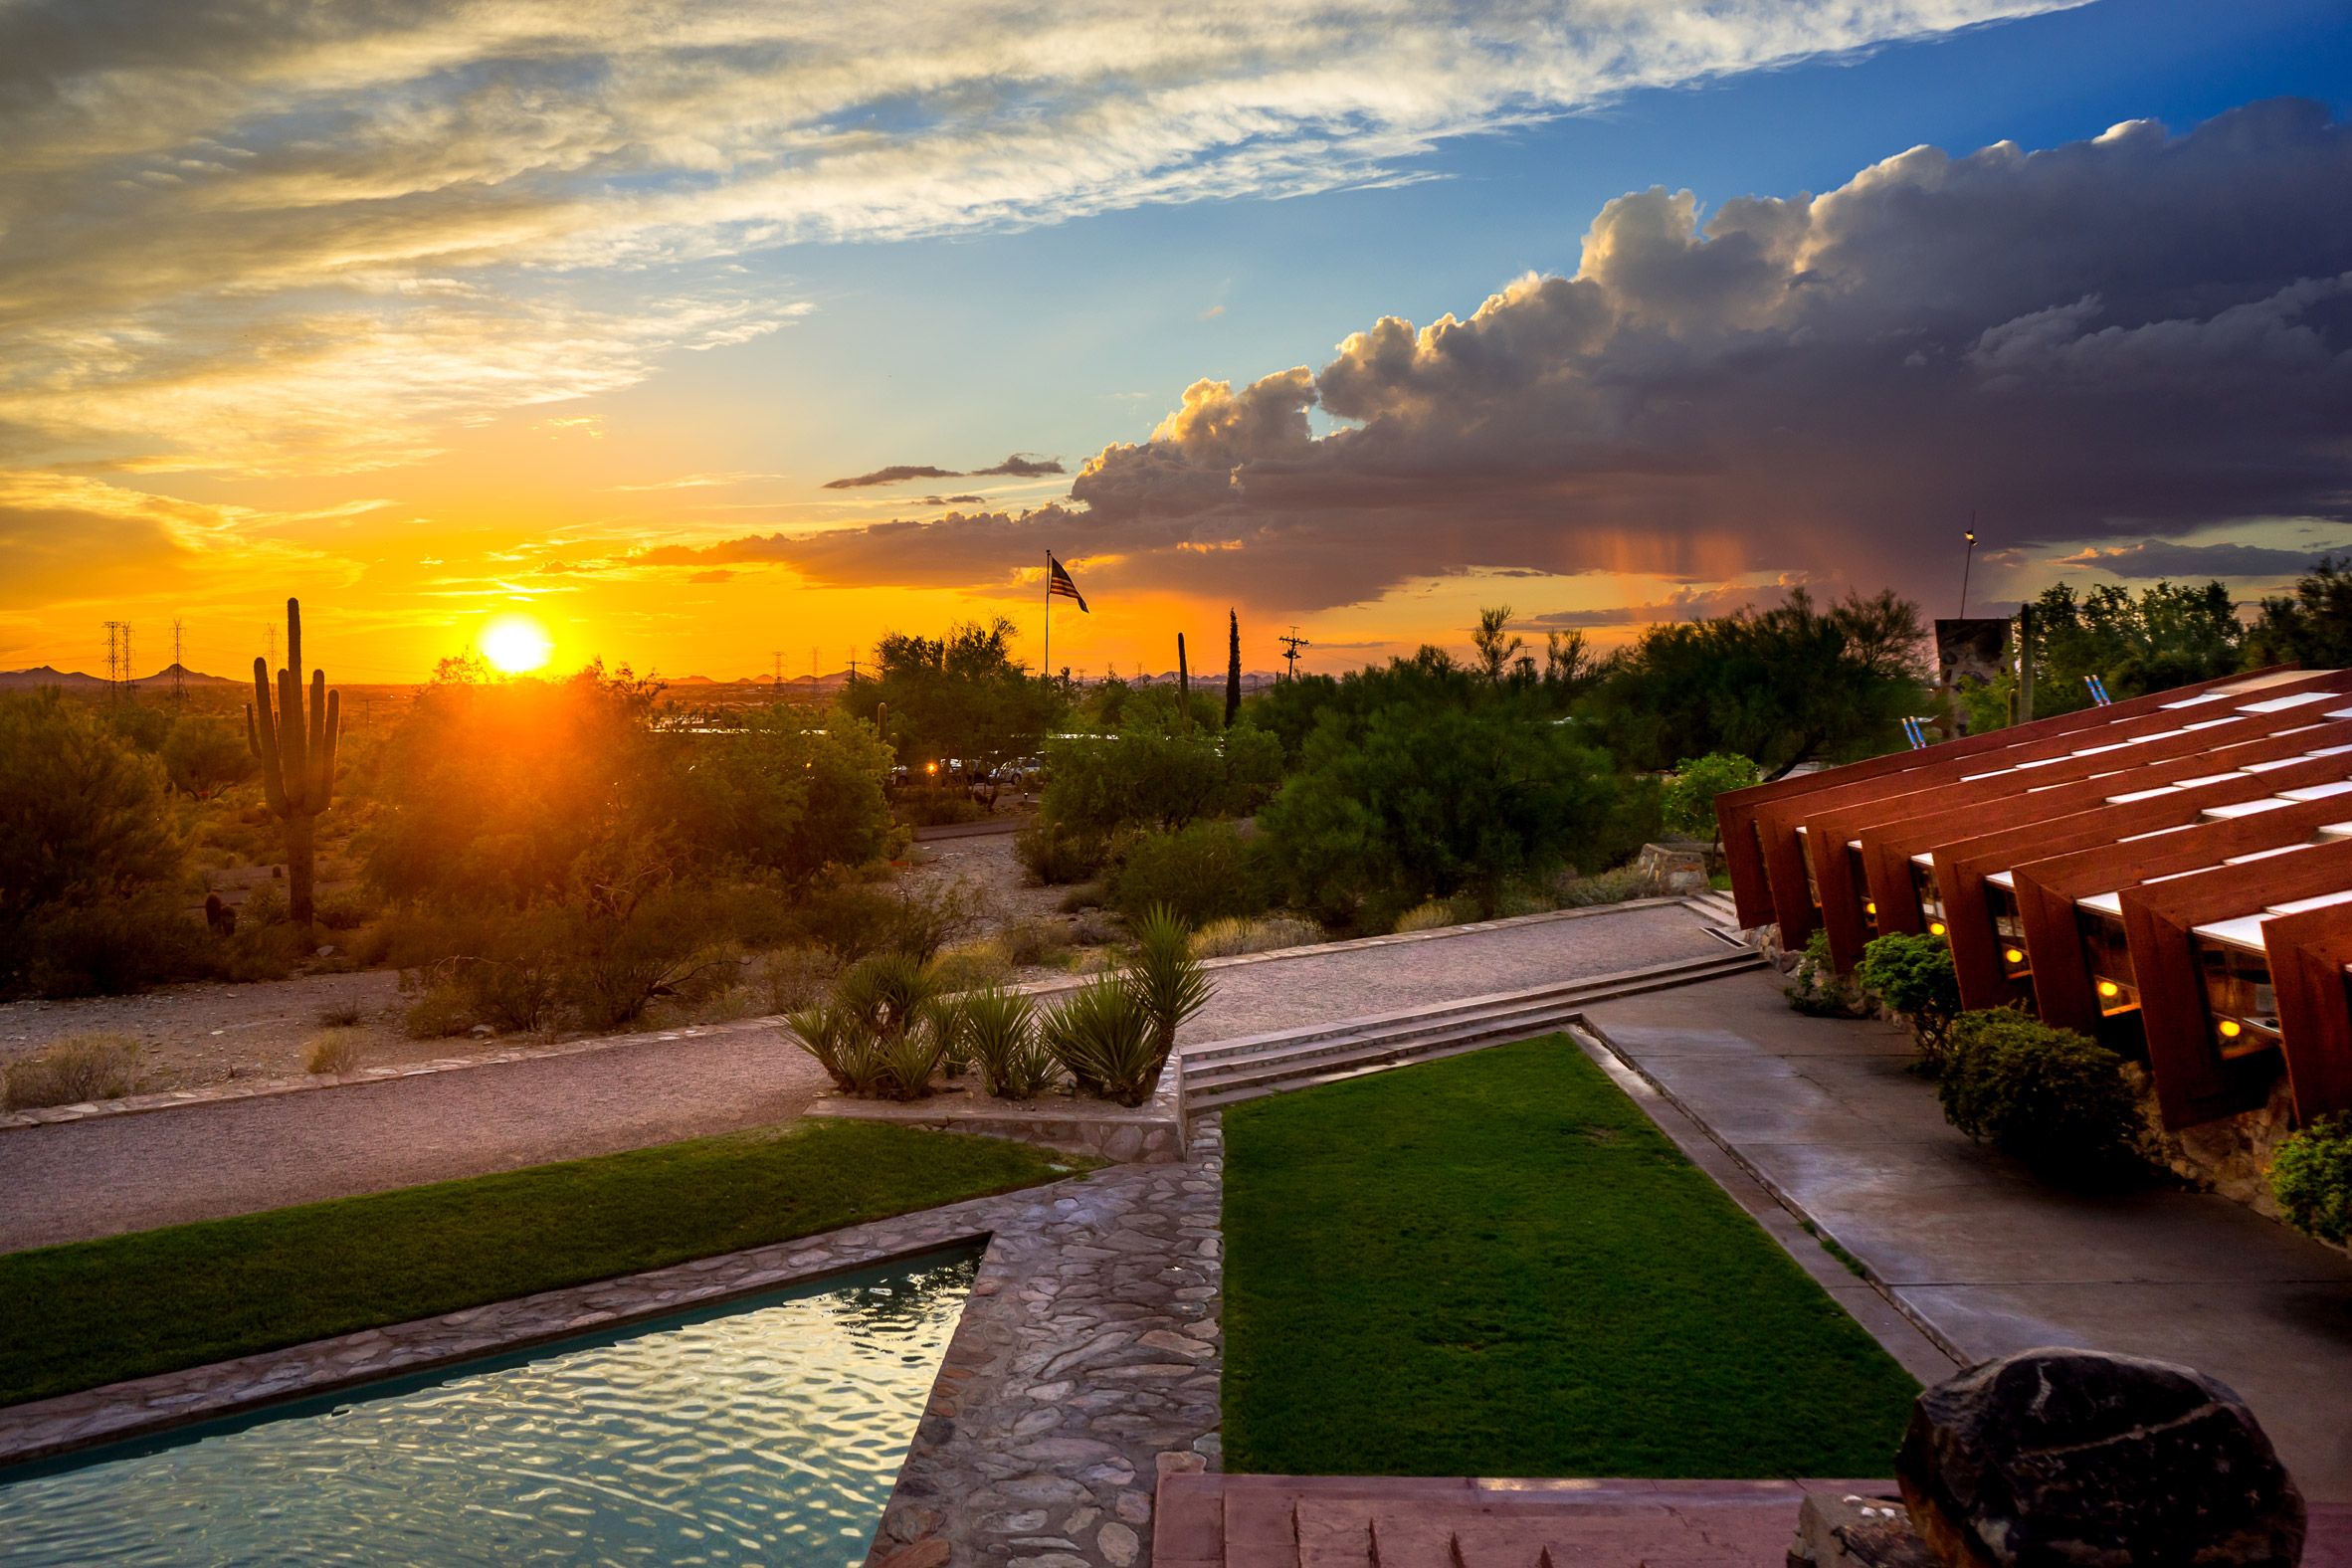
point(296, 745)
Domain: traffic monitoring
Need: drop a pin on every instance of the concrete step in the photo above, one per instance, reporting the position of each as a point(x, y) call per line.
point(1230, 1071)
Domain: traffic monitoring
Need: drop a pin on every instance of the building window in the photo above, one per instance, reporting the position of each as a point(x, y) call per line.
point(2106, 952)
point(2239, 998)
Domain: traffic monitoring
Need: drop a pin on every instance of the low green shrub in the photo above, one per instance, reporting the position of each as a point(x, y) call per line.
point(1817, 990)
point(72, 1070)
point(440, 1011)
point(971, 966)
point(1231, 938)
point(791, 978)
point(931, 808)
point(2057, 1100)
point(265, 905)
point(107, 947)
point(336, 1050)
point(854, 921)
point(1103, 1033)
point(345, 911)
point(1585, 893)
point(1203, 872)
point(339, 1015)
point(1056, 855)
point(2311, 1177)
point(1085, 896)
point(1027, 943)
point(1914, 976)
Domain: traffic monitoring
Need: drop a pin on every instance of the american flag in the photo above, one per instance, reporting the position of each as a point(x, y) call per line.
point(1058, 582)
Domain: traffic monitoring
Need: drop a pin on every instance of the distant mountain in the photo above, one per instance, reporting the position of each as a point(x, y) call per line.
point(75, 679)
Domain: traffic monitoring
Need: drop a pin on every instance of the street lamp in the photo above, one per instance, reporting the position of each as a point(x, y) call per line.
point(1970, 536)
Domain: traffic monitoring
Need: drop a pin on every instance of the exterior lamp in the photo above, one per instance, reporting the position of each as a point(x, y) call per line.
point(930, 767)
point(2014, 956)
point(2230, 1028)
point(1935, 928)
point(1871, 907)
point(2109, 988)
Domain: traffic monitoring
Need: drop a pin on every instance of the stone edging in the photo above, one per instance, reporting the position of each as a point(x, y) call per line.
point(173, 1099)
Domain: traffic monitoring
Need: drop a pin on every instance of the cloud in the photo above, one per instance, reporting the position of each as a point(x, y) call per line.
point(1212, 313)
point(2129, 337)
point(1021, 465)
point(2152, 559)
point(1681, 604)
point(896, 473)
point(711, 577)
point(255, 237)
point(955, 500)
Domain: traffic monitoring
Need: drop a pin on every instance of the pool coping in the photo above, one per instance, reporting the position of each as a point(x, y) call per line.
point(62, 1424)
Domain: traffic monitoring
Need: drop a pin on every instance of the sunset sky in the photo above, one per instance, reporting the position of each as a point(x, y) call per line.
point(1354, 315)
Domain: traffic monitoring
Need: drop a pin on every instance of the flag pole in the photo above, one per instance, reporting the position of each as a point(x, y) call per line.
point(1048, 618)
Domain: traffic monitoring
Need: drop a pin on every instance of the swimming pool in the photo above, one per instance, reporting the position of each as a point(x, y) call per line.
point(763, 1434)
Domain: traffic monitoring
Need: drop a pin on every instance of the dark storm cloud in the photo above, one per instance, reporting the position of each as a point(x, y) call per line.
point(2128, 337)
point(2154, 559)
point(896, 473)
point(1021, 465)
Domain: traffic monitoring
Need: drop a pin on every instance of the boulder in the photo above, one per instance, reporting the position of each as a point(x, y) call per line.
point(2094, 1461)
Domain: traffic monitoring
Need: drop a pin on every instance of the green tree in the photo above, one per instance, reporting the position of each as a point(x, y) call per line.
point(1423, 800)
point(1144, 776)
point(2311, 625)
point(1497, 656)
point(2170, 636)
point(784, 796)
point(1782, 686)
point(1689, 798)
point(958, 695)
point(204, 752)
point(91, 854)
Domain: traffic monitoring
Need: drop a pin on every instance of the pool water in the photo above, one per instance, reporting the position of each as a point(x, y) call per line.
point(765, 1434)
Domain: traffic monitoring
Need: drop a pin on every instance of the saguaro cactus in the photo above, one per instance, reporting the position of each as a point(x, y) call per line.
point(297, 757)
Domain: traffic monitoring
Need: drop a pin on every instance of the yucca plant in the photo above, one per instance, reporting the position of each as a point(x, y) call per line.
point(1103, 1033)
point(1001, 1029)
point(889, 991)
point(908, 1059)
point(949, 1017)
point(1167, 975)
point(843, 1044)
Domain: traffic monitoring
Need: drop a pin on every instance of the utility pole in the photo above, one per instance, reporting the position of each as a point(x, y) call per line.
point(1290, 645)
point(1967, 563)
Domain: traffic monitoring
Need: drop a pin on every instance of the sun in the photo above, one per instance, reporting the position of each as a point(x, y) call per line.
point(515, 643)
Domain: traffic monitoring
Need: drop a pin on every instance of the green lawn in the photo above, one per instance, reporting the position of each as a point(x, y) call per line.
point(99, 1311)
point(1494, 1264)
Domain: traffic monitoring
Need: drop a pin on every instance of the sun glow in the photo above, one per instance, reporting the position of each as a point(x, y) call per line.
point(515, 643)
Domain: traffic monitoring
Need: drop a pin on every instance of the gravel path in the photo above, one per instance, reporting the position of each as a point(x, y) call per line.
point(112, 1174)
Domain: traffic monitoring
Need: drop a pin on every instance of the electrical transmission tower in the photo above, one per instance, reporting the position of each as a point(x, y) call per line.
point(779, 673)
point(118, 660)
point(1290, 647)
point(179, 670)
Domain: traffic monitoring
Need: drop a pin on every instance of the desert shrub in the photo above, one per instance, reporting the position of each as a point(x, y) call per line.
point(1094, 928)
point(339, 1015)
point(1817, 990)
point(1154, 774)
point(2051, 1097)
point(437, 1011)
point(1085, 896)
point(1585, 893)
point(336, 1050)
point(2311, 1177)
point(854, 921)
point(1165, 973)
point(973, 966)
point(1437, 912)
point(885, 1032)
point(1231, 938)
point(1027, 942)
point(1914, 976)
point(936, 805)
point(265, 905)
point(1055, 853)
point(1001, 1029)
point(204, 752)
point(346, 911)
point(1204, 873)
point(72, 1070)
point(107, 947)
point(1103, 1033)
point(791, 978)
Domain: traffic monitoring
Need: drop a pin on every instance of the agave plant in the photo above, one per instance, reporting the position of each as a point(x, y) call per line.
point(889, 991)
point(908, 1059)
point(1103, 1033)
point(949, 1017)
point(1167, 974)
point(1000, 1030)
point(842, 1044)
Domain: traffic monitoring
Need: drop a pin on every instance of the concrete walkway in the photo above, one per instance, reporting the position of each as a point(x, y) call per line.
point(1983, 1256)
point(105, 1175)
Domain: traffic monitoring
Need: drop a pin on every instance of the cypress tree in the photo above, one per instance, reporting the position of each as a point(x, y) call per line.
point(1233, 668)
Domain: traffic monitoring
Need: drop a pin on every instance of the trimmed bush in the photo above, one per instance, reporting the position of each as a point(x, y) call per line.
point(2311, 1177)
point(2051, 1097)
point(1913, 976)
point(75, 1068)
